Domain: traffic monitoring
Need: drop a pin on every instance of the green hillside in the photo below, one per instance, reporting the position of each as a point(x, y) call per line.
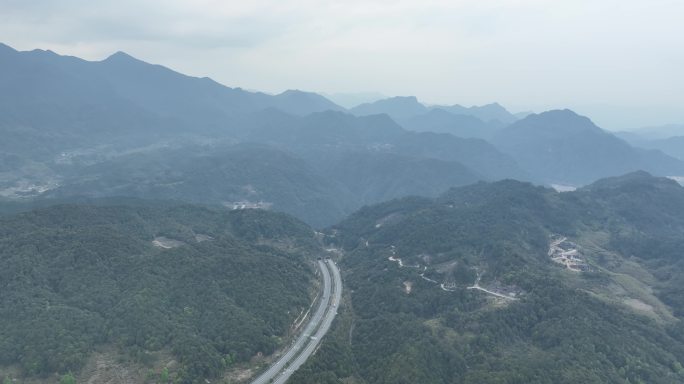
point(206, 288)
point(481, 294)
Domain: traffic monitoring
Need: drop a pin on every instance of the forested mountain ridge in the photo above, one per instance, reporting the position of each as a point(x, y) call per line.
point(318, 136)
point(563, 147)
point(64, 105)
point(153, 88)
point(407, 107)
point(148, 286)
point(399, 107)
point(466, 277)
point(440, 121)
point(218, 174)
point(318, 186)
point(123, 127)
point(669, 139)
point(59, 110)
point(510, 283)
point(488, 113)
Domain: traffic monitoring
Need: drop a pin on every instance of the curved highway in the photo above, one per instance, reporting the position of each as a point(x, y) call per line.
point(318, 326)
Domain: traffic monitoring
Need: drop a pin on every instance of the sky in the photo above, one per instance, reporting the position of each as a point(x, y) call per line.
point(620, 62)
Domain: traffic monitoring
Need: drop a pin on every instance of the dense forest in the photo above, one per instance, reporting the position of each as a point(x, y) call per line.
point(494, 281)
point(210, 287)
point(616, 321)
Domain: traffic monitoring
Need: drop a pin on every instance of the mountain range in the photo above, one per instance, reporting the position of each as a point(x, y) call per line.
point(668, 139)
point(157, 227)
point(76, 127)
point(565, 148)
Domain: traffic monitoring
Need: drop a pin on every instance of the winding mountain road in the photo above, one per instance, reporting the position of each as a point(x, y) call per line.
point(306, 343)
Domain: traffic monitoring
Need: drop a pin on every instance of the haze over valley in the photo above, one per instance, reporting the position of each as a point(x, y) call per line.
point(123, 127)
point(161, 226)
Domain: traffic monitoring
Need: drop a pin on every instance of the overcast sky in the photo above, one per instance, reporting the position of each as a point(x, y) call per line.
point(621, 62)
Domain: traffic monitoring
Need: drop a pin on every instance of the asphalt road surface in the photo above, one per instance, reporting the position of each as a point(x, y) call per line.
point(322, 329)
point(318, 325)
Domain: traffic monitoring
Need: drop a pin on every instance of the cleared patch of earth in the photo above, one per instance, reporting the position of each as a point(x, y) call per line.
point(408, 286)
point(103, 369)
point(566, 253)
point(107, 366)
point(629, 284)
point(25, 188)
point(639, 305)
point(166, 243)
point(563, 187)
point(200, 238)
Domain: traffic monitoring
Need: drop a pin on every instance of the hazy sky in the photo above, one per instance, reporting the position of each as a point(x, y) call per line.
point(619, 61)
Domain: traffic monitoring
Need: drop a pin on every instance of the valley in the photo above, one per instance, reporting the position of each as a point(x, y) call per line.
point(296, 152)
point(157, 228)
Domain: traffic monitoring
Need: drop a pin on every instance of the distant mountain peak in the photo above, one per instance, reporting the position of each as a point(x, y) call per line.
point(631, 180)
point(562, 147)
point(398, 107)
point(405, 98)
point(4, 48)
point(560, 112)
point(119, 54)
point(294, 92)
point(300, 93)
point(486, 113)
point(292, 99)
point(559, 119)
point(121, 57)
point(397, 99)
point(43, 53)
